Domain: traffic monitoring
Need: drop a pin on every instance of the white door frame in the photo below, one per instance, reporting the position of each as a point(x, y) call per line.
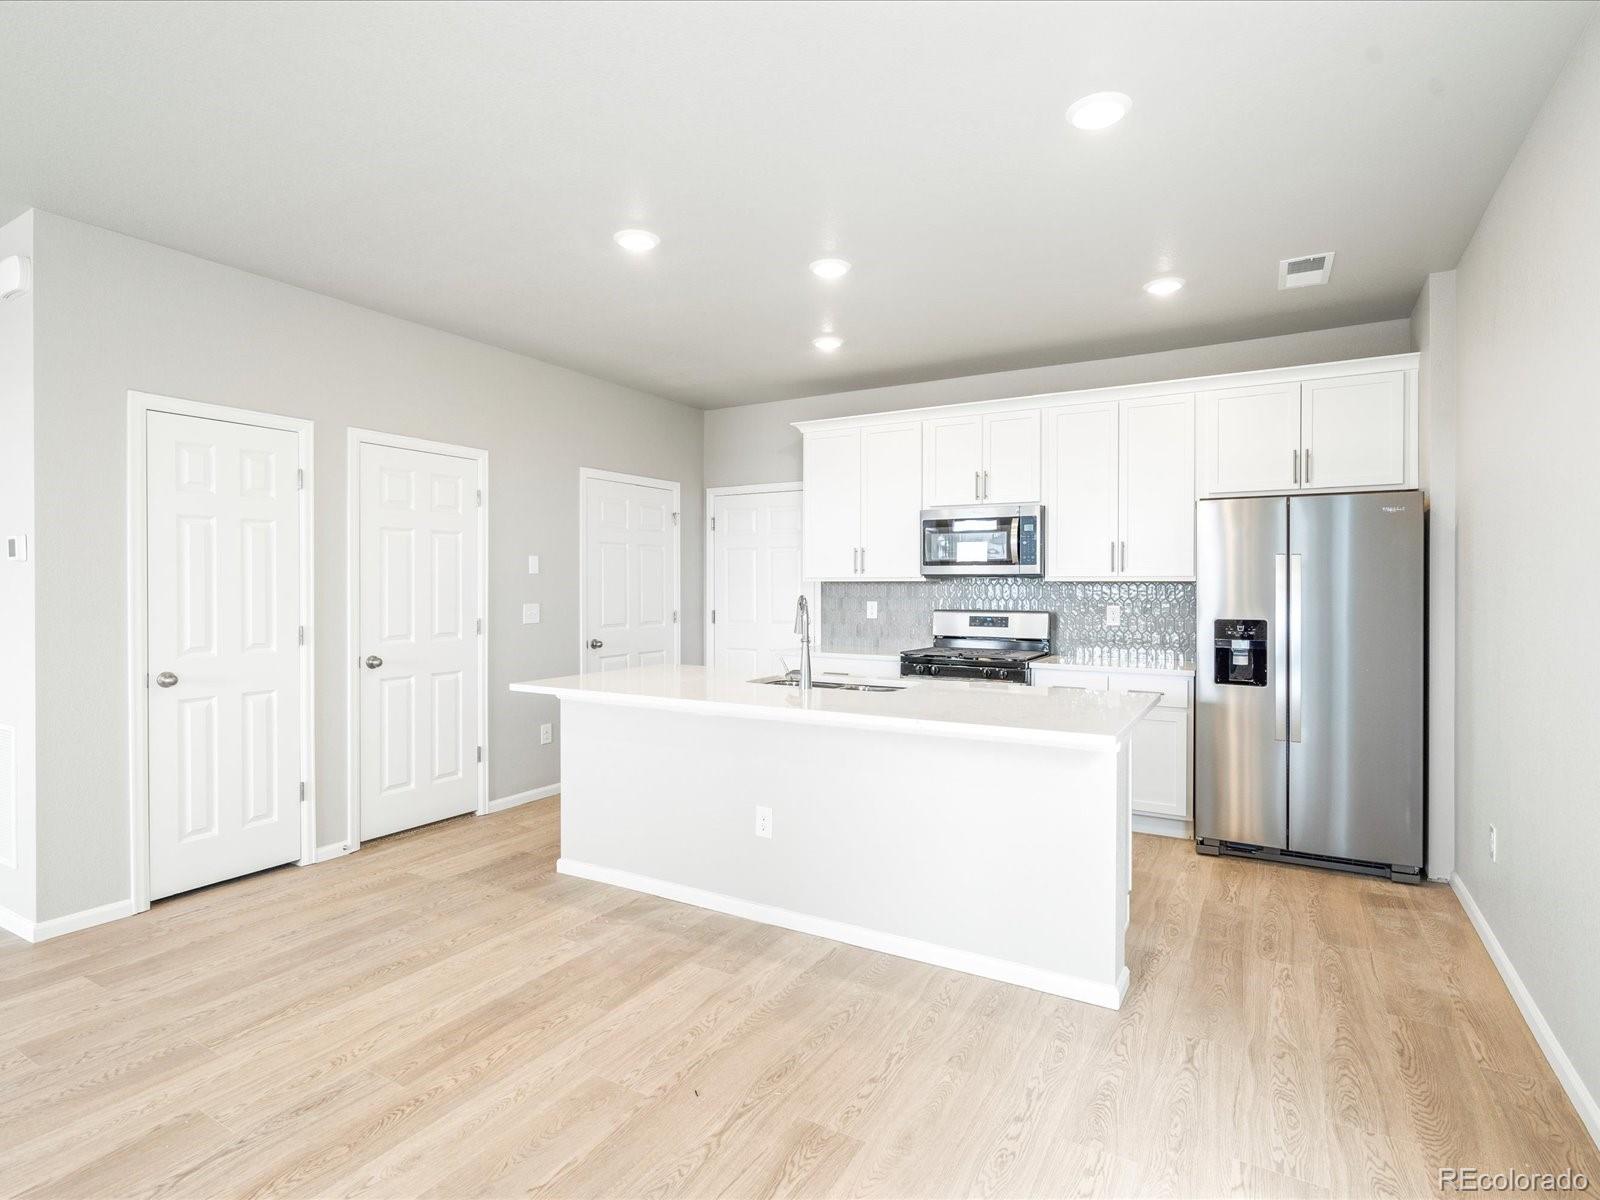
point(585, 474)
point(813, 589)
point(354, 439)
point(140, 405)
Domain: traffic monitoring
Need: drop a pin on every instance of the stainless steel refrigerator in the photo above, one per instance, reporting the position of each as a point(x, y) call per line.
point(1309, 728)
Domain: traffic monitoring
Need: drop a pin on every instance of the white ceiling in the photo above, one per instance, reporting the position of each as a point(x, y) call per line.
point(464, 165)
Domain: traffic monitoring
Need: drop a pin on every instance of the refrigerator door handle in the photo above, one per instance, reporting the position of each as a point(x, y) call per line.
point(1296, 631)
point(1280, 646)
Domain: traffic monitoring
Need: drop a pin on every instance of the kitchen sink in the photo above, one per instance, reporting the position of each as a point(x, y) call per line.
point(793, 680)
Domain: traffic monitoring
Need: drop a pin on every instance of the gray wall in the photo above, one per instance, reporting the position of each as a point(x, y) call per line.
point(116, 314)
point(754, 443)
point(16, 581)
point(1529, 576)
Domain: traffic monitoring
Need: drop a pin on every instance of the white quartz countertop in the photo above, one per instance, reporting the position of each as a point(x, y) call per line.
point(998, 712)
point(1061, 662)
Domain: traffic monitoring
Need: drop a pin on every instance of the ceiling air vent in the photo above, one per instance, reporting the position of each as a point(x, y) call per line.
point(1306, 271)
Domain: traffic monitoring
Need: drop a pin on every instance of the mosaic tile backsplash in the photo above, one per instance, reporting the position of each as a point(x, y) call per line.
point(1155, 616)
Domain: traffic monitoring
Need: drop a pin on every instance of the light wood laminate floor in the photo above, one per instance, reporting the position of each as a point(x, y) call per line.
point(443, 1015)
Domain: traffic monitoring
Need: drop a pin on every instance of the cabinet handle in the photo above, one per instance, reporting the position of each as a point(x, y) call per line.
point(986, 485)
point(1308, 464)
point(1124, 556)
point(977, 485)
point(1297, 468)
point(863, 560)
point(1113, 554)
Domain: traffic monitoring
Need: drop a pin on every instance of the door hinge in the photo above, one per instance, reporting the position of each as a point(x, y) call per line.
point(480, 497)
point(480, 626)
point(302, 635)
point(300, 479)
point(480, 753)
point(674, 518)
point(713, 616)
point(302, 793)
point(713, 524)
point(674, 616)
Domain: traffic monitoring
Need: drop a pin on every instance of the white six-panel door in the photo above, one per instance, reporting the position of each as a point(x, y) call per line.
point(222, 571)
point(755, 580)
point(419, 610)
point(630, 575)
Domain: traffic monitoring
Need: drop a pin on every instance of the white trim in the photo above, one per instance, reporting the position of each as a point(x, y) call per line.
point(585, 474)
point(1172, 827)
point(135, 499)
point(813, 587)
point(43, 931)
point(355, 438)
point(1128, 391)
point(1577, 1091)
point(527, 797)
point(334, 850)
point(1055, 983)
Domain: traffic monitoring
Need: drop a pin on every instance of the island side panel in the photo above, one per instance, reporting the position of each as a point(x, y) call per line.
point(1000, 859)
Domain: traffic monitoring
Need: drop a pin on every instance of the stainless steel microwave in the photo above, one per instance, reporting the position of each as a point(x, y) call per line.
point(983, 539)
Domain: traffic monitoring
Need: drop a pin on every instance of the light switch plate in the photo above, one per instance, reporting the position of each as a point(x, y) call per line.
point(872, 610)
point(16, 547)
point(545, 734)
point(530, 614)
point(1113, 615)
point(533, 564)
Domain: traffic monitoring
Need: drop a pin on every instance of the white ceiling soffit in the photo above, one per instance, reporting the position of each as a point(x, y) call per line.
point(465, 166)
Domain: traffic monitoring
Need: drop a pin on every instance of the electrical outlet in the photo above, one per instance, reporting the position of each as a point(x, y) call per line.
point(763, 822)
point(872, 610)
point(1494, 844)
point(533, 564)
point(1113, 615)
point(530, 614)
point(546, 734)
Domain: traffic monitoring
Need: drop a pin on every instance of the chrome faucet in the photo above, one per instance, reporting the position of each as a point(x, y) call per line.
point(802, 626)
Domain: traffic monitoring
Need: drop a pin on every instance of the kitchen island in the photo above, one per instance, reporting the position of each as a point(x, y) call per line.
point(978, 826)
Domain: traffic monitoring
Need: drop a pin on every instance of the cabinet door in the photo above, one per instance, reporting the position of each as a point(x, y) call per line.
point(831, 509)
point(1157, 538)
point(891, 501)
point(1081, 502)
point(1355, 431)
point(1158, 764)
point(1253, 438)
point(1011, 457)
point(952, 456)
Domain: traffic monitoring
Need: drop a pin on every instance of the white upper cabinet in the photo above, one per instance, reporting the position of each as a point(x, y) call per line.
point(982, 458)
point(1355, 431)
point(1081, 470)
point(830, 536)
point(891, 501)
point(952, 462)
point(1252, 438)
point(1333, 434)
point(862, 502)
point(1157, 489)
point(1012, 455)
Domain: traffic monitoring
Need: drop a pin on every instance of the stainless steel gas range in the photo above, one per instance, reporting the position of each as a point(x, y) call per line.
point(981, 645)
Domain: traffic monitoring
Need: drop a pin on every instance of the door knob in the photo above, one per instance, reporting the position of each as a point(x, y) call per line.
point(166, 679)
point(373, 662)
point(595, 643)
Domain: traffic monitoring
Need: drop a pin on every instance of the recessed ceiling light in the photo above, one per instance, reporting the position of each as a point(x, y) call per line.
point(827, 342)
point(1165, 286)
point(636, 241)
point(1102, 110)
point(830, 268)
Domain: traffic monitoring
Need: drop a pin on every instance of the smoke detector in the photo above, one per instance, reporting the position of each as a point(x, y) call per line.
point(1306, 271)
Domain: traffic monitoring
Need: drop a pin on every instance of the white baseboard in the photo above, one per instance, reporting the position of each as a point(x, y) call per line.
point(43, 931)
point(1056, 983)
point(334, 850)
point(1172, 827)
point(1577, 1091)
point(527, 797)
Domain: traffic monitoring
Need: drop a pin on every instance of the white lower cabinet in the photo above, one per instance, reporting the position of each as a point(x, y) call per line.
point(1160, 774)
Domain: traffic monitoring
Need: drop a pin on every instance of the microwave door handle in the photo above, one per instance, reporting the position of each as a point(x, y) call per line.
point(1016, 542)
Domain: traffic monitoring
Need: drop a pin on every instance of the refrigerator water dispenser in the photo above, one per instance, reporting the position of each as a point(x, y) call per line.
point(1241, 653)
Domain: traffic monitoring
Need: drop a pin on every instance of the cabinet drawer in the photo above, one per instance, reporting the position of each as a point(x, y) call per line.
point(1174, 692)
point(1094, 681)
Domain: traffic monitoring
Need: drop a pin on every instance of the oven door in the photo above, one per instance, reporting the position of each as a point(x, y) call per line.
point(972, 541)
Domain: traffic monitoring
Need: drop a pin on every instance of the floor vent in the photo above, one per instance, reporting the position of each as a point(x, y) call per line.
point(1306, 271)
